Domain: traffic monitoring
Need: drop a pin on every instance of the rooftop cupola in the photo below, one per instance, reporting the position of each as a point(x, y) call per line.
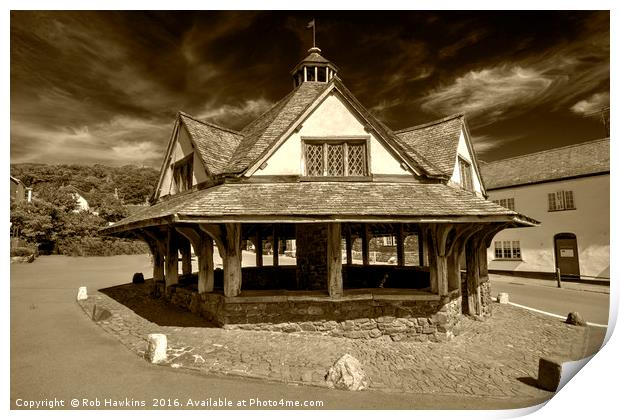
point(313, 68)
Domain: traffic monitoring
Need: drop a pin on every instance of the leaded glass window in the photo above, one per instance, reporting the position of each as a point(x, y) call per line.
point(357, 159)
point(314, 159)
point(334, 158)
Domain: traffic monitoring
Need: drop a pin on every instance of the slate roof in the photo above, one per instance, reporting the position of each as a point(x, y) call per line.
point(225, 151)
point(565, 162)
point(215, 144)
point(261, 134)
point(299, 199)
point(437, 141)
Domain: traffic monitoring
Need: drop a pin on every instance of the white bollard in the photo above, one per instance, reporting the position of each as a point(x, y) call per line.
point(503, 298)
point(82, 294)
point(157, 347)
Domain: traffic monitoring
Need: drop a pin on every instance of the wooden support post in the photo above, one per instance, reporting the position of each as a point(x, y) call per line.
point(400, 245)
point(206, 279)
point(232, 259)
point(258, 247)
point(158, 263)
point(186, 256)
point(472, 256)
point(172, 258)
point(203, 246)
point(365, 244)
point(348, 244)
point(436, 236)
point(275, 248)
point(157, 245)
point(483, 267)
point(334, 260)
point(421, 246)
point(454, 270)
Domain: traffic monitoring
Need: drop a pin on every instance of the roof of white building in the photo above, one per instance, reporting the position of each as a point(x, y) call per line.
point(577, 160)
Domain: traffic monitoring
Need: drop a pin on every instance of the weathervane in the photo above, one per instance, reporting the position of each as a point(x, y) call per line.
point(313, 26)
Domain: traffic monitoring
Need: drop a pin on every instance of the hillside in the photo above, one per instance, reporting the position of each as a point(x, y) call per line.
point(133, 184)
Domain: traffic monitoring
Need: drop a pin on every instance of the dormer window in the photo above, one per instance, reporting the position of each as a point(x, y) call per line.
point(335, 158)
point(465, 171)
point(183, 173)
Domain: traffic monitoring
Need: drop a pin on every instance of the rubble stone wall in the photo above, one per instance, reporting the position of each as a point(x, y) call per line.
point(311, 256)
point(399, 319)
point(485, 298)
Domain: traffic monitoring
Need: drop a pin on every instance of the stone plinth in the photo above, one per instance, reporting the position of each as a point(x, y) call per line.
point(420, 316)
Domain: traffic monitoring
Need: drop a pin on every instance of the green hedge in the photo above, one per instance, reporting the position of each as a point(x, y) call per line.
point(94, 246)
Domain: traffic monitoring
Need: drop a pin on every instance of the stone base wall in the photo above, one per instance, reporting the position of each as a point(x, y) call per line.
point(485, 298)
point(311, 256)
point(399, 319)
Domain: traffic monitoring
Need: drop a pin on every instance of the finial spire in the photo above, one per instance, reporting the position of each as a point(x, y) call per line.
point(312, 25)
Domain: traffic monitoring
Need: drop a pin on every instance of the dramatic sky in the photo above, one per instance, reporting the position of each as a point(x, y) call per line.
point(104, 87)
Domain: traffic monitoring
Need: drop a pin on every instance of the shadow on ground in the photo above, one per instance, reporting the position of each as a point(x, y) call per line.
point(136, 297)
point(528, 380)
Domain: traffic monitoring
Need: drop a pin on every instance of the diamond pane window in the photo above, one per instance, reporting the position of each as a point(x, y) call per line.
point(314, 159)
point(356, 159)
point(335, 160)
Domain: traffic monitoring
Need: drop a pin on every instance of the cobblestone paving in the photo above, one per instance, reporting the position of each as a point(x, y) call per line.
point(496, 358)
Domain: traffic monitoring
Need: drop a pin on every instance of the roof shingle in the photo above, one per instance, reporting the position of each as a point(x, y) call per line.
point(355, 199)
point(215, 144)
point(437, 141)
point(260, 135)
point(565, 162)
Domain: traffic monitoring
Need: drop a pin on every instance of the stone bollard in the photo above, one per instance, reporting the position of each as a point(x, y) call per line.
point(138, 278)
point(503, 298)
point(82, 293)
point(549, 373)
point(574, 318)
point(157, 348)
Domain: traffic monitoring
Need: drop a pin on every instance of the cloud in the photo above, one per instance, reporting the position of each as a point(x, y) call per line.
point(231, 114)
point(122, 140)
point(592, 104)
point(490, 92)
point(470, 39)
point(485, 143)
point(554, 78)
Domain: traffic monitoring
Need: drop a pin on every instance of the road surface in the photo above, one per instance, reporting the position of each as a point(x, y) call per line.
point(592, 305)
point(57, 352)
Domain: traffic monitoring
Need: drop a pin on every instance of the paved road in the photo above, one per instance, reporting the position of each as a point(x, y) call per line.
point(56, 352)
point(593, 306)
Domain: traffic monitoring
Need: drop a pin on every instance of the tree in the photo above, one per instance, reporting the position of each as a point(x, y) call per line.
point(112, 210)
point(62, 197)
point(34, 221)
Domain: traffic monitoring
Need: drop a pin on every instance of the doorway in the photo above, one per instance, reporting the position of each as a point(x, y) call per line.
point(566, 254)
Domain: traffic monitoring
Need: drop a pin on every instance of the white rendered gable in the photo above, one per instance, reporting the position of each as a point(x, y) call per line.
point(463, 153)
point(181, 148)
point(331, 119)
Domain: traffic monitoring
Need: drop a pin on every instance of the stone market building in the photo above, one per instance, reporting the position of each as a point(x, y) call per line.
point(320, 169)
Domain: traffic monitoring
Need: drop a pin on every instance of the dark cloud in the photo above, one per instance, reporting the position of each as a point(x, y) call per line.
point(105, 86)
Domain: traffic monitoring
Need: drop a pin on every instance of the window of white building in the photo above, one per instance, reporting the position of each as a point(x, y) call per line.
point(561, 200)
point(509, 203)
point(507, 250)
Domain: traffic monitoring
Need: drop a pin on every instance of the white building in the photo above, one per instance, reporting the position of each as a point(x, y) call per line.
point(567, 190)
